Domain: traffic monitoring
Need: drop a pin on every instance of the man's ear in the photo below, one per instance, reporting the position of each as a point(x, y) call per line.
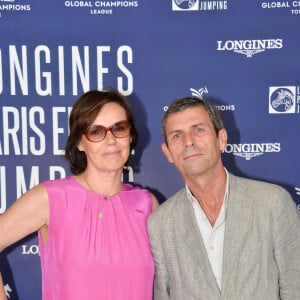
point(223, 139)
point(165, 150)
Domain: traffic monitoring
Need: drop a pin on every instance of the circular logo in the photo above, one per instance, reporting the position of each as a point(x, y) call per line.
point(185, 4)
point(282, 99)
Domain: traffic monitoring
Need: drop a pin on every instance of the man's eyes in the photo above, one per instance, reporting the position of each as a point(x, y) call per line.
point(199, 130)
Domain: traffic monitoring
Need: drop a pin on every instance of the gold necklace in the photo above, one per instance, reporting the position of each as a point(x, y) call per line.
point(100, 213)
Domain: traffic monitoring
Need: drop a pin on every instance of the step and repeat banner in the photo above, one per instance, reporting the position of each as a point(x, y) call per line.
point(244, 55)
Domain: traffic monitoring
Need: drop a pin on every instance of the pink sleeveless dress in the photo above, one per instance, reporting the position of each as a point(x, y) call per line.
point(96, 248)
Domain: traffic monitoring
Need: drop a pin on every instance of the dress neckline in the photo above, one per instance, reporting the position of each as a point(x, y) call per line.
point(105, 197)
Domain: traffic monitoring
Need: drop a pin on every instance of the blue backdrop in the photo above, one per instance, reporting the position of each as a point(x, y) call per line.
point(242, 54)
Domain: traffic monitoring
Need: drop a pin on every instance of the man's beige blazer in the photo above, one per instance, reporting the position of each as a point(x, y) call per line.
point(261, 247)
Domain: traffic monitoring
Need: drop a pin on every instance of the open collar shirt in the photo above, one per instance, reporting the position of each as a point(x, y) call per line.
point(212, 236)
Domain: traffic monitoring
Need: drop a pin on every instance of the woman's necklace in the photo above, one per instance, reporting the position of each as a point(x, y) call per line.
point(100, 212)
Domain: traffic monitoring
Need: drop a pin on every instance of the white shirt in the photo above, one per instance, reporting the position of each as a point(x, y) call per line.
point(213, 237)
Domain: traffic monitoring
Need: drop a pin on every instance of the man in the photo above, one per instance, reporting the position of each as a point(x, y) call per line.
point(222, 236)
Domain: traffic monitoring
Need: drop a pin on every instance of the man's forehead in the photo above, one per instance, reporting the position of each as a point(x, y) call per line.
point(191, 115)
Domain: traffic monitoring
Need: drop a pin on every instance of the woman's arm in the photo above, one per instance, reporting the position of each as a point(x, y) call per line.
point(2, 291)
point(155, 202)
point(25, 216)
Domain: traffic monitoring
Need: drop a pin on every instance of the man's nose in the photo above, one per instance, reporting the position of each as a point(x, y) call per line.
point(188, 140)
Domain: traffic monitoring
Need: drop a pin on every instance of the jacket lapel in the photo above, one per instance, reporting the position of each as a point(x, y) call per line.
point(237, 219)
point(189, 234)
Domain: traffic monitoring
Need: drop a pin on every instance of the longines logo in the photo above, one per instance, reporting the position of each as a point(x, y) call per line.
point(249, 47)
point(284, 99)
point(193, 5)
point(249, 151)
point(30, 250)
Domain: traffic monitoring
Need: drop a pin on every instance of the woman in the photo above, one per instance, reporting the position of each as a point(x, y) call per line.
point(2, 292)
point(91, 227)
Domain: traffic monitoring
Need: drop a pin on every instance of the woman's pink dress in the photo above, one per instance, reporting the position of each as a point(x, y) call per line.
point(97, 248)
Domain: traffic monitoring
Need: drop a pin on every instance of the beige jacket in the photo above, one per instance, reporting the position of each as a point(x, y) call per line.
point(261, 247)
